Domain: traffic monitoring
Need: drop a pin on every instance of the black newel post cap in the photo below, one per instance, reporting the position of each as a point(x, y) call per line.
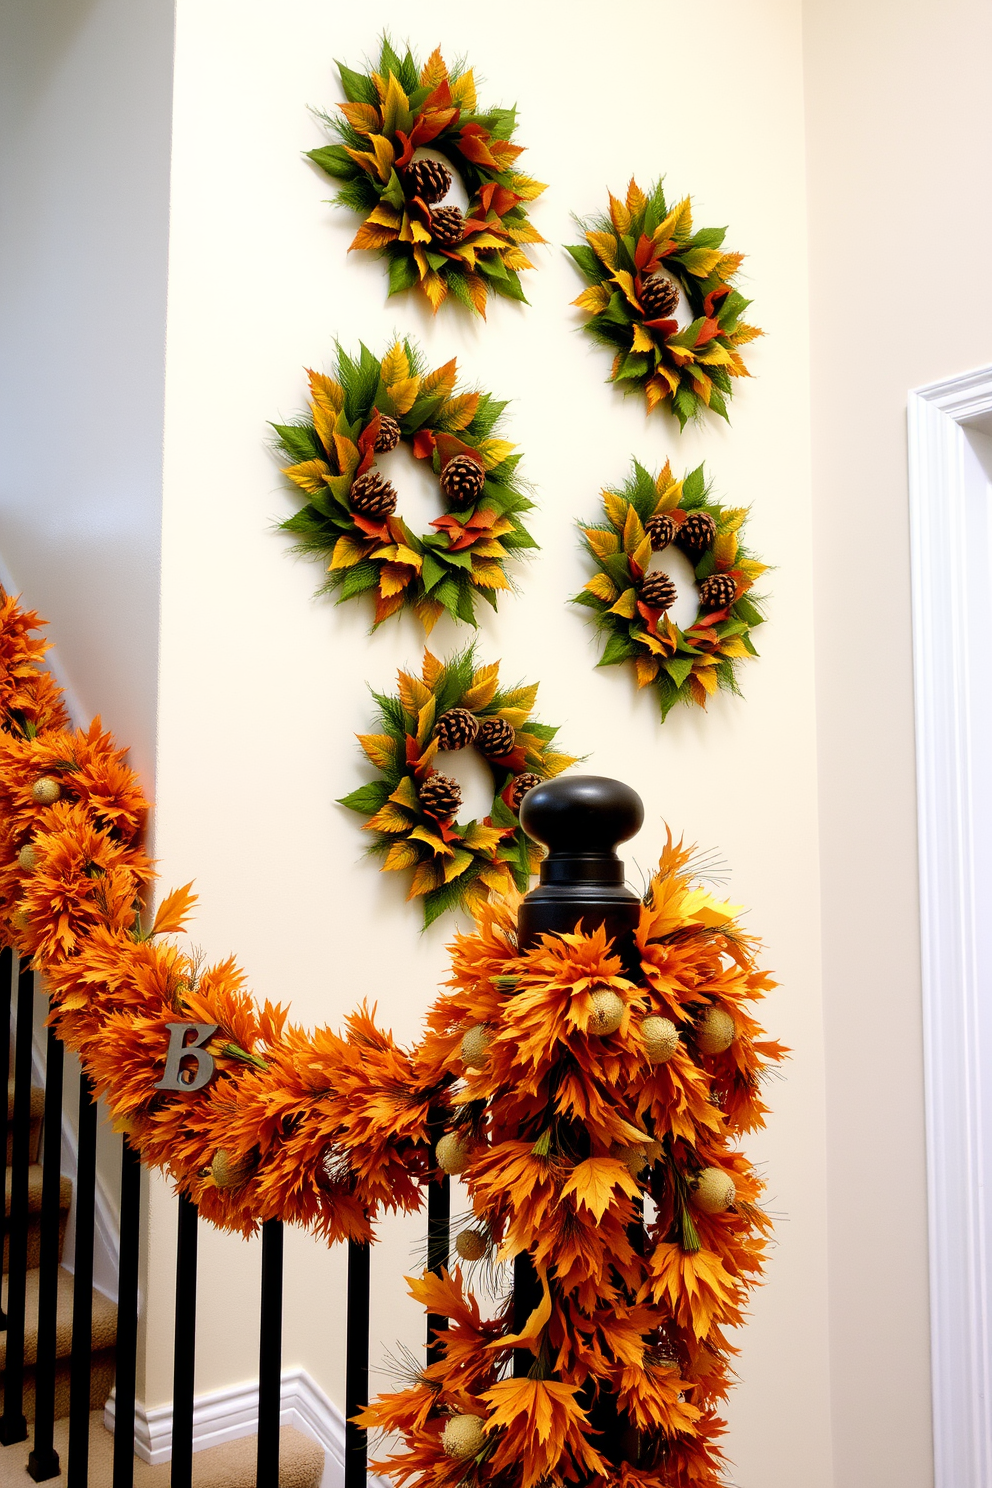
point(581, 819)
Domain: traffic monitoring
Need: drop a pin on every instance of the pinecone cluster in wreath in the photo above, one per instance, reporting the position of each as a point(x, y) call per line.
point(696, 534)
point(456, 729)
point(495, 738)
point(659, 297)
point(388, 436)
point(660, 531)
point(440, 795)
point(521, 785)
point(658, 591)
point(372, 496)
point(462, 480)
point(717, 592)
point(428, 179)
point(447, 226)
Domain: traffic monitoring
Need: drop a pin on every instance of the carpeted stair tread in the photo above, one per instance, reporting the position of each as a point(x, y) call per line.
point(231, 1465)
point(34, 1190)
point(37, 1102)
point(104, 1319)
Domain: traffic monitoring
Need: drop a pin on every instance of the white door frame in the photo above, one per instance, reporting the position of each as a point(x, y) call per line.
point(951, 520)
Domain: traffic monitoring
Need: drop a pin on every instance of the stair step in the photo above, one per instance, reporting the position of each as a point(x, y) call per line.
point(231, 1465)
point(104, 1319)
point(37, 1112)
point(34, 1213)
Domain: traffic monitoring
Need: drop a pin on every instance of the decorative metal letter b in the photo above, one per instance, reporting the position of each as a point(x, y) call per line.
point(175, 1078)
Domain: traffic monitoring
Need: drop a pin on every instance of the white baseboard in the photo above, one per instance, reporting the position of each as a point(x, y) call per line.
point(227, 1414)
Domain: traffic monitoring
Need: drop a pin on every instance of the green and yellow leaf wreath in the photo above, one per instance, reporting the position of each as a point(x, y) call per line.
point(412, 806)
point(640, 262)
point(350, 517)
point(631, 603)
point(391, 113)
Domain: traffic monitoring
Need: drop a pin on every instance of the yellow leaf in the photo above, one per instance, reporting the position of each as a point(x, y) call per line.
point(633, 532)
point(636, 200)
point(427, 876)
point(671, 498)
point(437, 845)
point(395, 364)
point(388, 818)
point(489, 575)
point(725, 548)
point(603, 587)
point(425, 721)
point(527, 188)
point(431, 669)
point(310, 475)
point(413, 693)
point(626, 605)
point(731, 518)
point(525, 232)
point(405, 794)
point(394, 106)
point(369, 236)
point(626, 283)
point(703, 671)
point(172, 912)
point(403, 394)
point(594, 1182)
point(460, 860)
point(733, 646)
point(326, 402)
point(642, 339)
point(554, 764)
point(616, 507)
point(594, 299)
point(463, 92)
point(619, 215)
point(604, 245)
point(435, 289)
point(347, 552)
point(434, 70)
point(483, 689)
point(498, 878)
point(442, 379)
point(408, 556)
point(400, 855)
point(428, 612)
point(664, 478)
point(517, 716)
point(642, 554)
point(646, 669)
point(482, 839)
point(494, 451)
point(752, 569)
point(380, 749)
point(701, 261)
point(515, 258)
point(714, 355)
point(459, 412)
point(393, 578)
point(745, 333)
point(362, 117)
point(603, 544)
point(678, 222)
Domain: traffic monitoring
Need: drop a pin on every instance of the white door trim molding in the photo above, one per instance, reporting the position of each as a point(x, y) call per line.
point(948, 501)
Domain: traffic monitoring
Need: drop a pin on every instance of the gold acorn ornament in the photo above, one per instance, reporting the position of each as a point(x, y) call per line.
point(19, 920)
point(27, 857)
point(453, 1155)
point(464, 1436)
point(661, 1038)
point(607, 1011)
point(715, 1031)
point(474, 1047)
point(228, 1171)
point(46, 791)
point(634, 1159)
point(713, 1191)
point(471, 1245)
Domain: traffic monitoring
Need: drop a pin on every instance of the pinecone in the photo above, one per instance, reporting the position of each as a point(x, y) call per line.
point(428, 179)
point(441, 796)
point(658, 592)
point(462, 480)
point(717, 592)
point(496, 737)
point(456, 729)
point(388, 436)
point(696, 534)
point(372, 496)
point(521, 786)
point(447, 226)
point(659, 297)
point(660, 530)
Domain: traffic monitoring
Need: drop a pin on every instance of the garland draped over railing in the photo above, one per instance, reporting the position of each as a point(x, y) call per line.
point(572, 1092)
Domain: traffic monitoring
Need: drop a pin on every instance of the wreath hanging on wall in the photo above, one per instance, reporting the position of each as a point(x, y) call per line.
point(647, 516)
point(640, 262)
point(351, 519)
point(395, 110)
point(412, 807)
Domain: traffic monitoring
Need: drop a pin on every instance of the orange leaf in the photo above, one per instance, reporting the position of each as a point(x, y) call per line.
point(172, 912)
point(594, 1181)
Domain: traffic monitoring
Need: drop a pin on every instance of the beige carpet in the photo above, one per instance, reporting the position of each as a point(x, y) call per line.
point(232, 1465)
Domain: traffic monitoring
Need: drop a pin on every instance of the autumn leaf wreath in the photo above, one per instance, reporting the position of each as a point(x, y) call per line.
point(412, 806)
point(350, 518)
point(642, 261)
point(646, 516)
point(394, 115)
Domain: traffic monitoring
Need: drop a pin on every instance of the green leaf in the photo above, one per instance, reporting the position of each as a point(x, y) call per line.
point(299, 441)
point(747, 611)
point(367, 798)
point(678, 668)
point(432, 572)
point(587, 262)
point(356, 580)
point(393, 192)
point(402, 273)
point(618, 648)
point(335, 161)
point(510, 287)
point(357, 88)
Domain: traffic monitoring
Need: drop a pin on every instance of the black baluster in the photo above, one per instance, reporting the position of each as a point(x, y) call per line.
point(13, 1426)
point(81, 1356)
point(127, 1317)
point(184, 1359)
point(438, 1232)
point(270, 1357)
point(44, 1460)
point(356, 1383)
point(6, 980)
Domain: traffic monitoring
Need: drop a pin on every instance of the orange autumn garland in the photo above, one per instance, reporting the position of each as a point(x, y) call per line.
point(584, 1092)
point(330, 1129)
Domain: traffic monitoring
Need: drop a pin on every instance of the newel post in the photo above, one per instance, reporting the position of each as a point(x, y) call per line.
point(580, 819)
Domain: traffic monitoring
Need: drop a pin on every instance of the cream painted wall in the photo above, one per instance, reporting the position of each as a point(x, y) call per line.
point(899, 142)
point(262, 687)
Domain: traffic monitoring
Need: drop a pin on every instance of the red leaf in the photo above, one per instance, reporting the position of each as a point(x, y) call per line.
point(432, 123)
point(423, 444)
point(666, 327)
point(378, 530)
point(644, 254)
point(406, 154)
point(472, 143)
point(448, 447)
point(720, 293)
